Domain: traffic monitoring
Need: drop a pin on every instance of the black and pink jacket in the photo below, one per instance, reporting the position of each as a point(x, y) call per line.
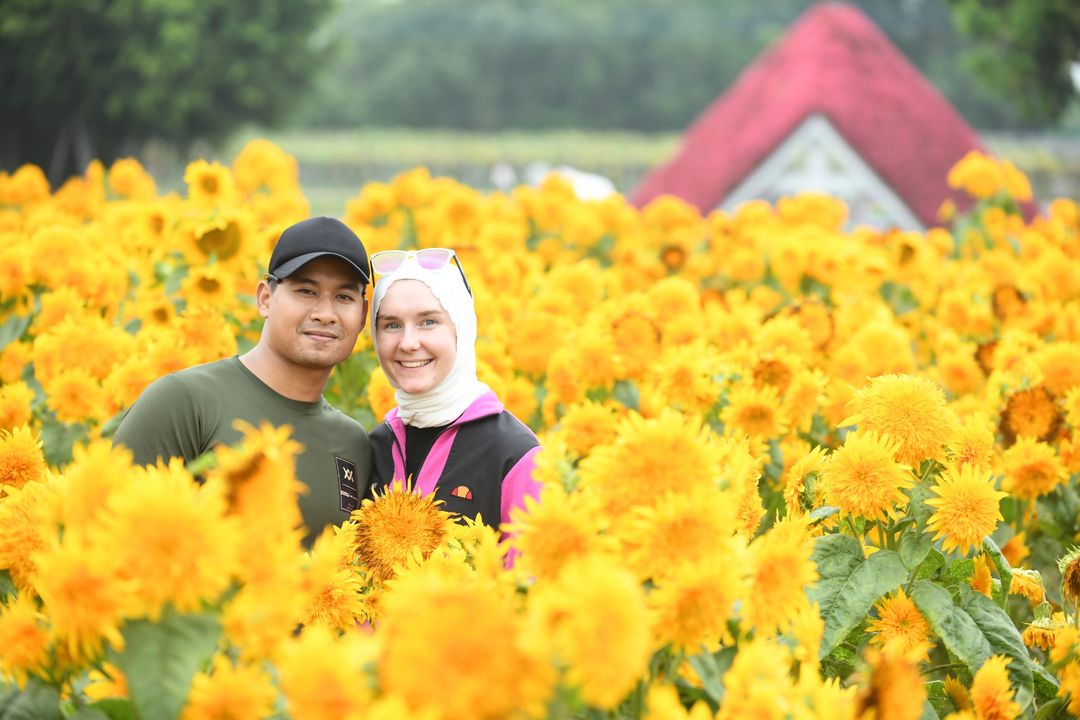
point(481, 464)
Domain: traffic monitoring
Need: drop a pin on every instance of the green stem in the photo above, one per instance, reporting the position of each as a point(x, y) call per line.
point(943, 667)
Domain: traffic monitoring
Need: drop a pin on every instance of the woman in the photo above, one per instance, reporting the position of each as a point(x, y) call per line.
point(449, 433)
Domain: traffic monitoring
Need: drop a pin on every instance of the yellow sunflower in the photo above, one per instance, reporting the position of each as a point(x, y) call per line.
point(555, 530)
point(992, 694)
point(395, 522)
point(780, 570)
point(16, 400)
point(893, 687)
point(1032, 468)
point(1030, 413)
point(331, 582)
point(966, 509)
point(650, 457)
point(689, 526)
point(588, 424)
point(209, 184)
point(899, 624)
point(323, 675)
point(863, 478)
point(754, 411)
point(693, 603)
point(27, 523)
point(909, 409)
point(171, 538)
point(758, 684)
point(1029, 584)
point(453, 645)
point(21, 458)
point(596, 620)
point(238, 692)
point(802, 489)
point(24, 637)
point(973, 443)
point(1060, 363)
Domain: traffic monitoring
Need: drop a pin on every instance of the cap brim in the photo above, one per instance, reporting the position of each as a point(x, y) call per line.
point(290, 266)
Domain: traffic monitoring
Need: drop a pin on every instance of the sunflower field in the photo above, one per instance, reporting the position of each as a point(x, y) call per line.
point(789, 470)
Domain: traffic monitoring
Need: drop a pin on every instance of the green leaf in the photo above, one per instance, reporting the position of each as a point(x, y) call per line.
point(710, 667)
point(915, 546)
point(38, 701)
point(849, 584)
point(1000, 631)
point(1003, 568)
point(13, 329)
point(974, 631)
point(91, 713)
point(957, 572)
point(933, 562)
point(626, 392)
point(7, 587)
point(938, 698)
point(820, 513)
point(57, 439)
point(918, 508)
point(928, 711)
point(1045, 684)
point(161, 658)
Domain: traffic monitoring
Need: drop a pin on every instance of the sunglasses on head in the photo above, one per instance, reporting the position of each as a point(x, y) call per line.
point(389, 261)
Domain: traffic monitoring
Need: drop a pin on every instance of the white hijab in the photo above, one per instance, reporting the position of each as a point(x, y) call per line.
point(449, 399)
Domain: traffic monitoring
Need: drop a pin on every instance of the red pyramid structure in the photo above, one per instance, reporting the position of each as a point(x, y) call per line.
point(833, 62)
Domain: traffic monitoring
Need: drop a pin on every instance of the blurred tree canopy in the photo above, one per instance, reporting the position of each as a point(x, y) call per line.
point(95, 78)
point(630, 64)
point(1025, 50)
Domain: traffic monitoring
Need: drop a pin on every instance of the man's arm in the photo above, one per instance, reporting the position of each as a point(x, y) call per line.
point(164, 422)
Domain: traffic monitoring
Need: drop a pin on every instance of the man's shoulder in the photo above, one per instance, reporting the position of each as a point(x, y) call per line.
point(339, 419)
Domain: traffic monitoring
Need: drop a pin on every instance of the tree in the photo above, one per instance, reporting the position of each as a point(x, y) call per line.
point(1024, 49)
point(96, 78)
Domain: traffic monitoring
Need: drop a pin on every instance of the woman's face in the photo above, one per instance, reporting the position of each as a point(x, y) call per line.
point(417, 340)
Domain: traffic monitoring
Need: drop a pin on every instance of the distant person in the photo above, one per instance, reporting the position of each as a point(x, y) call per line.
point(449, 433)
point(313, 303)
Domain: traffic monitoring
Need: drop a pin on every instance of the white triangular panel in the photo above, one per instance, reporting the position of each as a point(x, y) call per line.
point(815, 157)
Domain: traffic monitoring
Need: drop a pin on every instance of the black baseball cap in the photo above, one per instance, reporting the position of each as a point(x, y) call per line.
point(308, 239)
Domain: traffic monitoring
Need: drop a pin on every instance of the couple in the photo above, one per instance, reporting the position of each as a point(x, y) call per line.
point(449, 433)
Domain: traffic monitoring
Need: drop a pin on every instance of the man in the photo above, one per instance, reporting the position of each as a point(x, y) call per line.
point(314, 305)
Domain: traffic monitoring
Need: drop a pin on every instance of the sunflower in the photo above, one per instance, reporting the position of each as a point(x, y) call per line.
point(76, 397)
point(556, 529)
point(395, 522)
point(893, 687)
point(238, 692)
point(1069, 567)
point(693, 603)
point(209, 184)
point(588, 424)
point(209, 285)
point(171, 538)
point(650, 457)
point(323, 675)
point(262, 164)
point(331, 582)
point(596, 620)
point(24, 637)
point(13, 360)
point(128, 179)
point(1030, 413)
point(21, 458)
point(754, 411)
point(85, 593)
point(899, 624)
point(758, 684)
point(981, 580)
point(1032, 468)
point(690, 526)
point(911, 410)
point(27, 523)
point(1069, 677)
point(973, 443)
point(16, 400)
point(529, 339)
point(684, 378)
point(1029, 584)
point(1060, 363)
point(451, 645)
point(863, 478)
point(966, 509)
point(802, 490)
point(1040, 633)
point(992, 695)
point(780, 570)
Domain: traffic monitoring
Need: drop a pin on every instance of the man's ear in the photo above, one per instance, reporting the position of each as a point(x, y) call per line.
point(363, 319)
point(262, 298)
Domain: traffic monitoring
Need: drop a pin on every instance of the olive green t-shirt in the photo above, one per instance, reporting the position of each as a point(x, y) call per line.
point(187, 413)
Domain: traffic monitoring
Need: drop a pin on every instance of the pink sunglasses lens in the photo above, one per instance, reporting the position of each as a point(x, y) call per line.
point(432, 258)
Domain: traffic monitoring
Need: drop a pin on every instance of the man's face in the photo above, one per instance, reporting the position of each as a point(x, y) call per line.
point(313, 316)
